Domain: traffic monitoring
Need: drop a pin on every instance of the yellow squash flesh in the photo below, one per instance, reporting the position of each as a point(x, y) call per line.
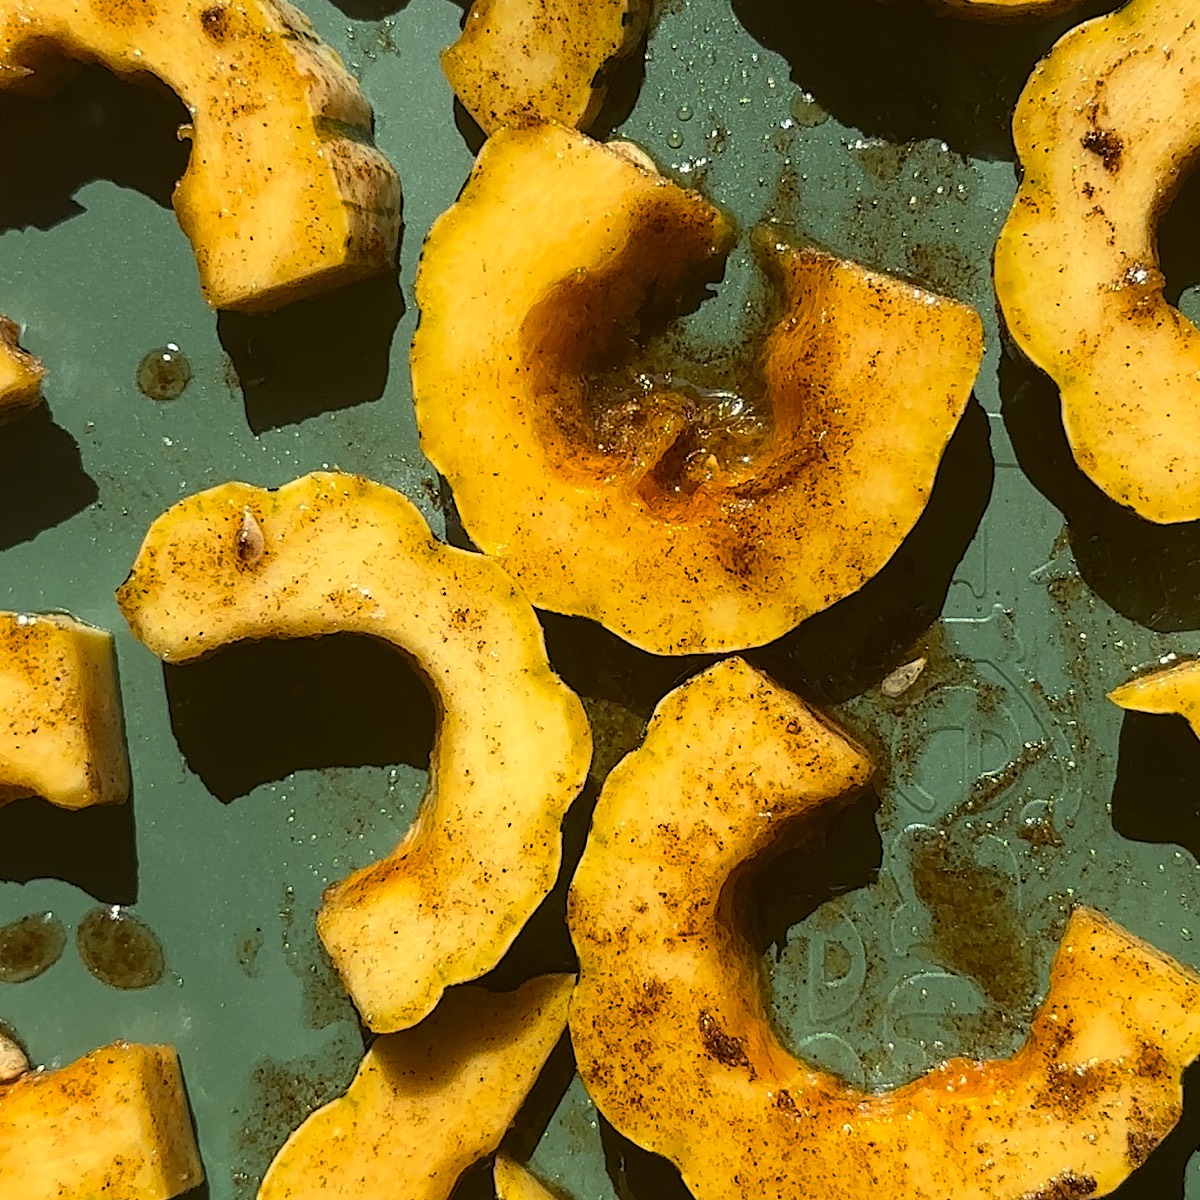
point(283, 195)
point(428, 1102)
point(1104, 130)
point(61, 731)
point(670, 1027)
point(21, 374)
point(333, 553)
point(513, 1182)
point(1173, 690)
point(114, 1124)
point(679, 533)
point(518, 59)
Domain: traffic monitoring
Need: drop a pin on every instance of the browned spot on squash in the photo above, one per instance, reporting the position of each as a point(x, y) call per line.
point(214, 20)
point(720, 1045)
point(1106, 145)
point(1138, 1144)
point(1066, 1187)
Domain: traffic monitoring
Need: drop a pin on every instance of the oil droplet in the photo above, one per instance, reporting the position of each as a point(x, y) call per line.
point(164, 373)
point(806, 112)
point(119, 949)
point(30, 946)
point(674, 139)
point(684, 112)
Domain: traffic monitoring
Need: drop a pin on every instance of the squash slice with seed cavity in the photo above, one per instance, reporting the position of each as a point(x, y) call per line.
point(683, 518)
point(670, 1026)
point(21, 374)
point(114, 1124)
point(428, 1102)
point(521, 59)
point(1105, 129)
point(335, 553)
point(61, 732)
point(1175, 689)
point(283, 196)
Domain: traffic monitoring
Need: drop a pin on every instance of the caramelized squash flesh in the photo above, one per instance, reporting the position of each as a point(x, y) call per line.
point(669, 1020)
point(683, 517)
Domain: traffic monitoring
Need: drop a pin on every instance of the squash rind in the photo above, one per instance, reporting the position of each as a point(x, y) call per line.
point(21, 374)
point(334, 553)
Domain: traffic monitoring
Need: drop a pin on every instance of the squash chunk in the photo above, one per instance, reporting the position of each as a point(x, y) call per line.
point(61, 731)
point(428, 1102)
point(283, 195)
point(335, 553)
point(1175, 689)
point(683, 519)
point(21, 374)
point(513, 1182)
point(518, 59)
point(670, 1025)
point(1105, 129)
point(113, 1124)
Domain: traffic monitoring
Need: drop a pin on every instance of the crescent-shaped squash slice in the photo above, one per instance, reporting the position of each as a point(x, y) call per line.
point(513, 1182)
point(1105, 129)
point(335, 553)
point(1176, 689)
point(114, 1124)
point(518, 59)
point(428, 1102)
point(670, 1026)
point(61, 732)
point(21, 374)
point(673, 515)
point(283, 196)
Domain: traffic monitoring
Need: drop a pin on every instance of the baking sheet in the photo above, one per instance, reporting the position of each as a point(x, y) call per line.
point(1011, 787)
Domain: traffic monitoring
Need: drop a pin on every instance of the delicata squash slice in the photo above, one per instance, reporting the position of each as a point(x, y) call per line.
point(1176, 689)
point(428, 1102)
point(519, 59)
point(283, 195)
point(113, 1124)
point(61, 731)
point(671, 1031)
point(1105, 129)
point(333, 553)
point(677, 517)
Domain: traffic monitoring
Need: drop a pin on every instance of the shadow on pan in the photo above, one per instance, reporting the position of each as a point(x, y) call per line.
point(257, 711)
point(851, 646)
point(1148, 573)
point(94, 849)
point(317, 355)
point(42, 477)
point(900, 72)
